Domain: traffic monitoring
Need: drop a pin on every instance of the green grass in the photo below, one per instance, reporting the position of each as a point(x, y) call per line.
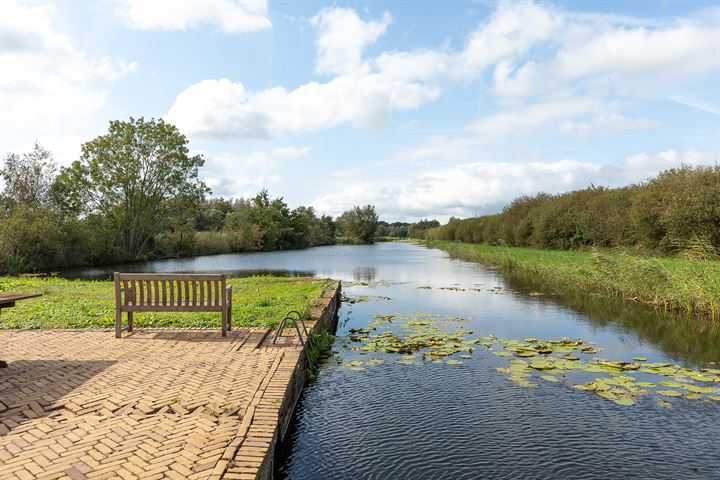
point(692, 286)
point(318, 350)
point(257, 301)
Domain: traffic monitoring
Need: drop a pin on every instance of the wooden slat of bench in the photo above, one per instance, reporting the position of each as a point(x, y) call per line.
point(156, 298)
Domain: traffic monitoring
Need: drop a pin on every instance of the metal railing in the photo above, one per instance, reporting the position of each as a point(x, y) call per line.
point(297, 318)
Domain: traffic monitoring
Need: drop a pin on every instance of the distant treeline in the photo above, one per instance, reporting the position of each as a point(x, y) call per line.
point(135, 194)
point(676, 212)
point(405, 229)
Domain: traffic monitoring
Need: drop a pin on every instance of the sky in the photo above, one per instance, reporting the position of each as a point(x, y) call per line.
point(425, 109)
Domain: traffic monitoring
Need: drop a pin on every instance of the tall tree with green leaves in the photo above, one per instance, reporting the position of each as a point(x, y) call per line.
point(28, 177)
point(359, 222)
point(128, 177)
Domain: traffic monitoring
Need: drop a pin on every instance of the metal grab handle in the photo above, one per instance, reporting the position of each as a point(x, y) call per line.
point(297, 328)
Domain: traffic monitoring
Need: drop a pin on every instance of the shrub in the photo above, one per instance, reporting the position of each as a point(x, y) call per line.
point(678, 211)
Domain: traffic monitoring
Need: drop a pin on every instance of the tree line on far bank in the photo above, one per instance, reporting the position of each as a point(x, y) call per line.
point(135, 194)
point(677, 212)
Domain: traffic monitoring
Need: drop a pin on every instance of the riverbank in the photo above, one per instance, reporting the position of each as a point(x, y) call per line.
point(158, 403)
point(257, 301)
point(673, 284)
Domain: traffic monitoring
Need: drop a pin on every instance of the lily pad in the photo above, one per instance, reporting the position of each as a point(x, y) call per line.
point(502, 354)
point(625, 400)
point(670, 393)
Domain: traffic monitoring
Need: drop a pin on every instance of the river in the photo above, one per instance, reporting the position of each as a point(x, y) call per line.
point(464, 419)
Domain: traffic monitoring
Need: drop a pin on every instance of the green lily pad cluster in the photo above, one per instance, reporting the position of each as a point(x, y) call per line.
point(363, 298)
point(555, 359)
point(431, 337)
point(531, 347)
point(439, 339)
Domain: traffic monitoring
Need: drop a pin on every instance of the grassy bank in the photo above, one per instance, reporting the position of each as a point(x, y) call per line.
point(692, 286)
point(257, 301)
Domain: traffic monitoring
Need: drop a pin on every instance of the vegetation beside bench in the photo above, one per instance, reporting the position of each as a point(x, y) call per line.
point(257, 301)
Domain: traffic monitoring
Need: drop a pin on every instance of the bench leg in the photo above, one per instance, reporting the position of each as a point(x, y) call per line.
point(130, 321)
point(229, 317)
point(118, 324)
point(224, 323)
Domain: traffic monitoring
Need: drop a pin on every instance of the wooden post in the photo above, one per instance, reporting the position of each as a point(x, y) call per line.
point(229, 307)
point(224, 308)
point(118, 312)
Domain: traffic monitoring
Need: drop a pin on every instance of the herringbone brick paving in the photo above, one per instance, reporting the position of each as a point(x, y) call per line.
point(81, 404)
point(159, 403)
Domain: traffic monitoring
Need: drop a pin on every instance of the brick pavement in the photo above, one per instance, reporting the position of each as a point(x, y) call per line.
point(158, 403)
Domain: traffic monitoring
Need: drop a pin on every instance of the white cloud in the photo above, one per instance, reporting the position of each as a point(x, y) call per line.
point(576, 116)
point(598, 54)
point(49, 88)
point(692, 102)
point(531, 118)
point(607, 123)
point(537, 52)
point(342, 38)
point(460, 190)
point(231, 16)
point(256, 170)
point(481, 187)
point(512, 30)
point(644, 165)
point(223, 108)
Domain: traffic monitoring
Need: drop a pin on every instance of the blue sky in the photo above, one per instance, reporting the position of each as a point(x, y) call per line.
point(425, 109)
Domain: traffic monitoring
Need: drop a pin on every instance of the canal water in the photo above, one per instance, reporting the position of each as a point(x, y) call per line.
point(425, 419)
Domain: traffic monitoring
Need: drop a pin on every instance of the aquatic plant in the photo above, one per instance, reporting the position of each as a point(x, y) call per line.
point(438, 339)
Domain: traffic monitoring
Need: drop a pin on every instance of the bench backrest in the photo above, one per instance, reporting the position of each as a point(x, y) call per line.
point(170, 292)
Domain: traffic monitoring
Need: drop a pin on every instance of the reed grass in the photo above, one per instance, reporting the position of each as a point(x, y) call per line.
point(680, 284)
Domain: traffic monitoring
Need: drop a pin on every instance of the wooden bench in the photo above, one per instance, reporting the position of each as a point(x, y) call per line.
point(151, 292)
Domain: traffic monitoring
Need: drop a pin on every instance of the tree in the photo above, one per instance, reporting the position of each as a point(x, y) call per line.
point(269, 216)
point(418, 229)
point(360, 222)
point(211, 214)
point(28, 177)
point(129, 175)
